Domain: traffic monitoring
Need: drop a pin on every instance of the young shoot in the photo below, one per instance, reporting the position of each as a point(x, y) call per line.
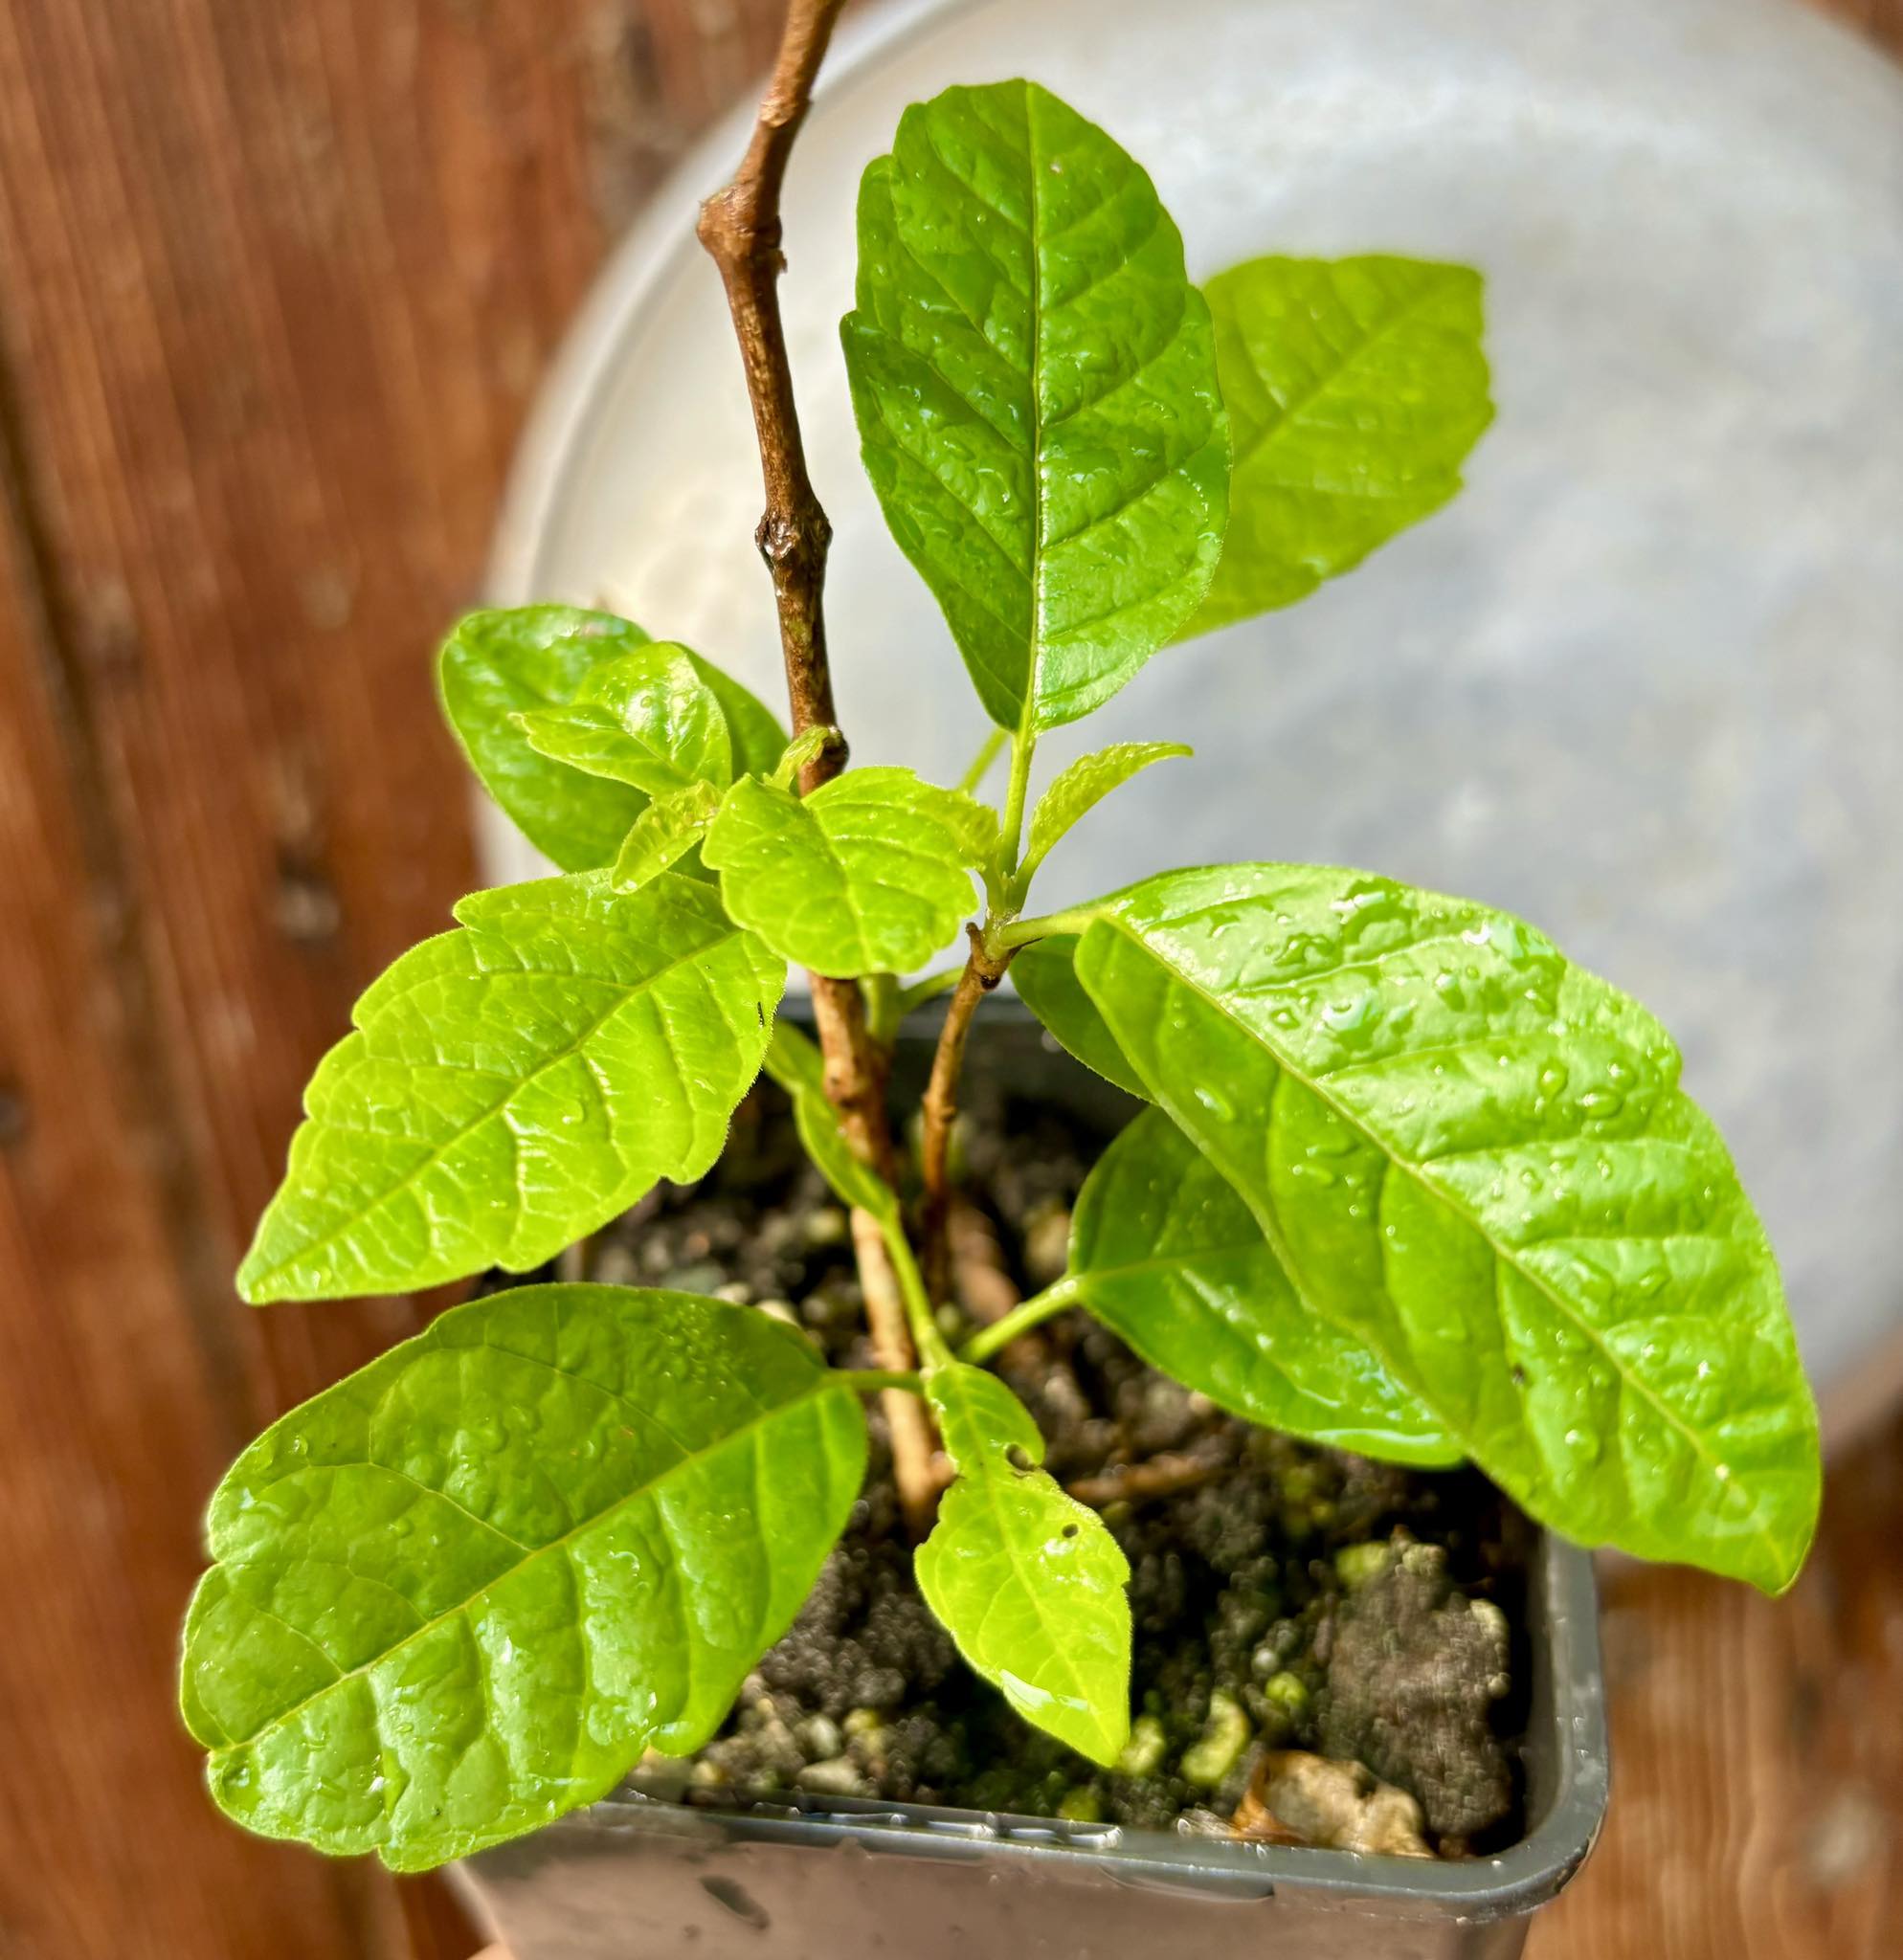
point(1406, 1179)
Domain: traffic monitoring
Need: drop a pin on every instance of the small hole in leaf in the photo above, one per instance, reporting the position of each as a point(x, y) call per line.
point(1017, 1458)
point(1070, 1530)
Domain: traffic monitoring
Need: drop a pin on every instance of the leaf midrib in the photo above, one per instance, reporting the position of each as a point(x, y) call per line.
point(819, 1387)
point(1027, 714)
point(1503, 1256)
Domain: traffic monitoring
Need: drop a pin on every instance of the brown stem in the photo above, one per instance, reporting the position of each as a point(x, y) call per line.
point(983, 970)
point(1163, 1476)
point(740, 226)
point(916, 1460)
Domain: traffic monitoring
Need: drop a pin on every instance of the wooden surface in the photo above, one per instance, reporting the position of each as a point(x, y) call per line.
point(277, 281)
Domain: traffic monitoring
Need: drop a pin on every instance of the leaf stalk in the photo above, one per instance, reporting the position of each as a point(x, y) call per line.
point(1057, 1298)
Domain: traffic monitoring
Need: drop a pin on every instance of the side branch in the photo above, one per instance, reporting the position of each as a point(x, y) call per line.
point(983, 970)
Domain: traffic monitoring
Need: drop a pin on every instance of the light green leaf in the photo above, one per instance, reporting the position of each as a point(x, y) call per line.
point(752, 728)
point(1033, 379)
point(1026, 1579)
point(1165, 1254)
point(458, 1593)
point(868, 875)
point(1078, 789)
point(1355, 387)
point(798, 1067)
point(501, 665)
point(1477, 1158)
point(513, 1085)
point(1044, 973)
point(664, 834)
point(496, 665)
point(646, 718)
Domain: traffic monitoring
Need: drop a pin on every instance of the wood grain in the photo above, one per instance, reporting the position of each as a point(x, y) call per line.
point(277, 282)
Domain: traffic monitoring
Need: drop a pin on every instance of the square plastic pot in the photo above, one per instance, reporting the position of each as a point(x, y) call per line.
point(806, 1879)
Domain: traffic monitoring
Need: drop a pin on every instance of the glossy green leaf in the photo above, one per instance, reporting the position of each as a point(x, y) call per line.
point(664, 834)
point(798, 1066)
point(458, 1593)
point(1477, 1158)
point(515, 1085)
point(1044, 973)
point(1025, 1578)
point(1035, 383)
point(870, 873)
point(1166, 1254)
point(1077, 790)
point(496, 665)
point(645, 718)
point(751, 727)
point(499, 664)
point(1356, 389)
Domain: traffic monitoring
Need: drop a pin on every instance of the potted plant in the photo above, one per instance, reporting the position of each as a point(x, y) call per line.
point(1404, 1183)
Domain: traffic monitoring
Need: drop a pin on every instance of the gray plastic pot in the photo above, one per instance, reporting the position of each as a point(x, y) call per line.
point(807, 1879)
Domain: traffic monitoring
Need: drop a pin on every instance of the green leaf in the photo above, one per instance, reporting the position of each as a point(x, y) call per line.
point(868, 875)
point(1078, 789)
point(1355, 387)
point(664, 834)
point(1044, 973)
point(496, 665)
point(513, 1085)
point(1033, 379)
point(458, 1593)
point(798, 1067)
point(1027, 1580)
point(752, 728)
point(1165, 1254)
point(646, 718)
point(1477, 1158)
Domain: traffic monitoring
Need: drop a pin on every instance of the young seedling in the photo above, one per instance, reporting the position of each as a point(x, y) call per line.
point(1408, 1181)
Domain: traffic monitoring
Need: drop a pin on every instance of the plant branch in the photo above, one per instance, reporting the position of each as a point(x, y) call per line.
point(1055, 1299)
point(740, 226)
point(1164, 1476)
point(907, 1422)
point(983, 970)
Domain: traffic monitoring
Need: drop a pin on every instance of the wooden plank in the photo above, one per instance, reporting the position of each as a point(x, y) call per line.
point(276, 283)
point(117, 1404)
point(1758, 1753)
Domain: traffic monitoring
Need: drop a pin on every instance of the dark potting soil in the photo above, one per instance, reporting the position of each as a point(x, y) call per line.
point(1284, 1596)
